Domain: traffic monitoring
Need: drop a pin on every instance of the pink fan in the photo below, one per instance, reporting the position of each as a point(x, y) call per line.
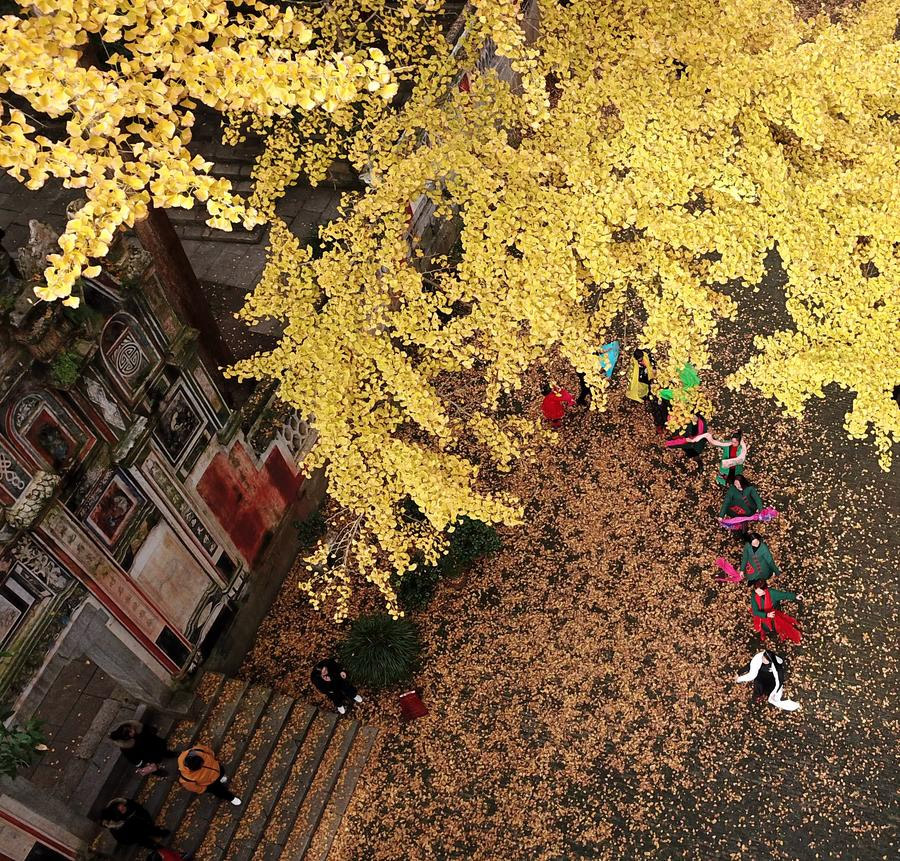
point(732, 575)
point(762, 516)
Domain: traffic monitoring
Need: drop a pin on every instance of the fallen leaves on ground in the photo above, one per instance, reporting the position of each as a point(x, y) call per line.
point(581, 681)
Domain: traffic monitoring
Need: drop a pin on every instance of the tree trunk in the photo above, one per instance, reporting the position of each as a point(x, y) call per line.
point(177, 277)
point(174, 270)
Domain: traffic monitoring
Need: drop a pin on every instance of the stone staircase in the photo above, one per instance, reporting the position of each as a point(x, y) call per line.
point(294, 766)
point(234, 164)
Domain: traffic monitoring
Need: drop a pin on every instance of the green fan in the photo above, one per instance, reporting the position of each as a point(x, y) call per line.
point(688, 376)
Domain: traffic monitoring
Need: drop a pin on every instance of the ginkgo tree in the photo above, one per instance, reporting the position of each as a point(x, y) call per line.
point(648, 155)
point(101, 94)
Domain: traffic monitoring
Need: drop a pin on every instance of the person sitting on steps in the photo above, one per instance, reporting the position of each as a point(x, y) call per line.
point(131, 824)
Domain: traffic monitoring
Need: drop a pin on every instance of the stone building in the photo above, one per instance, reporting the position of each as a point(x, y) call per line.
point(136, 504)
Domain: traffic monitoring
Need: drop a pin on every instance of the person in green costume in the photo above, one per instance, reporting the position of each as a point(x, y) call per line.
point(768, 617)
point(756, 560)
point(741, 499)
point(732, 455)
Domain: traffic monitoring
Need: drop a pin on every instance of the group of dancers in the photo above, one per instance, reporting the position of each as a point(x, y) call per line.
point(741, 506)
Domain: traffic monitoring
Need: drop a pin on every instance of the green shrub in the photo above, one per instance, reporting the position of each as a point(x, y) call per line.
point(380, 651)
point(471, 540)
point(416, 588)
point(309, 531)
point(19, 746)
point(65, 369)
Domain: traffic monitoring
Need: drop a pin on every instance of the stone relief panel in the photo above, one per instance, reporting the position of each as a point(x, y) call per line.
point(297, 435)
point(48, 431)
point(180, 424)
point(29, 574)
point(14, 477)
point(106, 404)
point(104, 578)
point(128, 355)
point(15, 604)
point(119, 505)
point(160, 478)
point(39, 566)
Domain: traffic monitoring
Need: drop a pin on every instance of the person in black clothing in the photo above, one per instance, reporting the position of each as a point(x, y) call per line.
point(142, 747)
point(695, 450)
point(659, 409)
point(330, 678)
point(584, 392)
point(131, 824)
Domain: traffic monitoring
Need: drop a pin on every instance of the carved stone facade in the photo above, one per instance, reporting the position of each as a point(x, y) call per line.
point(124, 475)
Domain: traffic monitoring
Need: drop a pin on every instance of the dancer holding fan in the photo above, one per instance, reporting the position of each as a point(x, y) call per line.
point(731, 458)
point(768, 618)
point(741, 499)
point(756, 560)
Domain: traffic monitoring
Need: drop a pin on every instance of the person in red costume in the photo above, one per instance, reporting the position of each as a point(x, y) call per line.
point(768, 617)
point(555, 404)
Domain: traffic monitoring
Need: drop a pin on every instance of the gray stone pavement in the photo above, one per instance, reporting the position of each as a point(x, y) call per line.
point(77, 713)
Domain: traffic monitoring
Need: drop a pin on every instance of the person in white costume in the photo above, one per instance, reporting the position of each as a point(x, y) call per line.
point(767, 672)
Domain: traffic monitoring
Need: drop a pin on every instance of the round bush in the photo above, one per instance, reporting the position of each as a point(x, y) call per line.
point(416, 588)
point(380, 651)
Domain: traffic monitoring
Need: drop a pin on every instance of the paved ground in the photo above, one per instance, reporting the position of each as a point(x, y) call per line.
point(77, 713)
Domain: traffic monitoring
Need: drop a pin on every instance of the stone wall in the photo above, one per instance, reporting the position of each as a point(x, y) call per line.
point(125, 478)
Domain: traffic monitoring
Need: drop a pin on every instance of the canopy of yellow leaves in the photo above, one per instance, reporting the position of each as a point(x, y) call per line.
point(124, 75)
point(647, 152)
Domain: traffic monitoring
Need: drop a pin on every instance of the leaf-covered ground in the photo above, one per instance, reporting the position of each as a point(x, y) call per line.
point(581, 681)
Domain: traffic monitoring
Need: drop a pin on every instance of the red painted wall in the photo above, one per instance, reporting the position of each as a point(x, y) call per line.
point(249, 503)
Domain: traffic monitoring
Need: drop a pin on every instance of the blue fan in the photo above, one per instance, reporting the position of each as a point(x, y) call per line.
point(609, 355)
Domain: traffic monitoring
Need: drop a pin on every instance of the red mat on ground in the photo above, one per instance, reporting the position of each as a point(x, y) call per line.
point(411, 706)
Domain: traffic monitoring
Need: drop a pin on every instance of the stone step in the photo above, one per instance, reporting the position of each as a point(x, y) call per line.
point(223, 825)
point(199, 231)
point(294, 793)
point(340, 798)
point(210, 695)
point(221, 717)
point(310, 814)
point(189, 814)
point(190, 224)
point(171, 808)
point(295, 767)
point(106, 767)
point(133, 783)
point(242, 185)
point(270, 786)
point(153, 791)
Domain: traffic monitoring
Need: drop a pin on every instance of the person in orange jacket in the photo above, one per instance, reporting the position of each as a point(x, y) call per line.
point(199, 771)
